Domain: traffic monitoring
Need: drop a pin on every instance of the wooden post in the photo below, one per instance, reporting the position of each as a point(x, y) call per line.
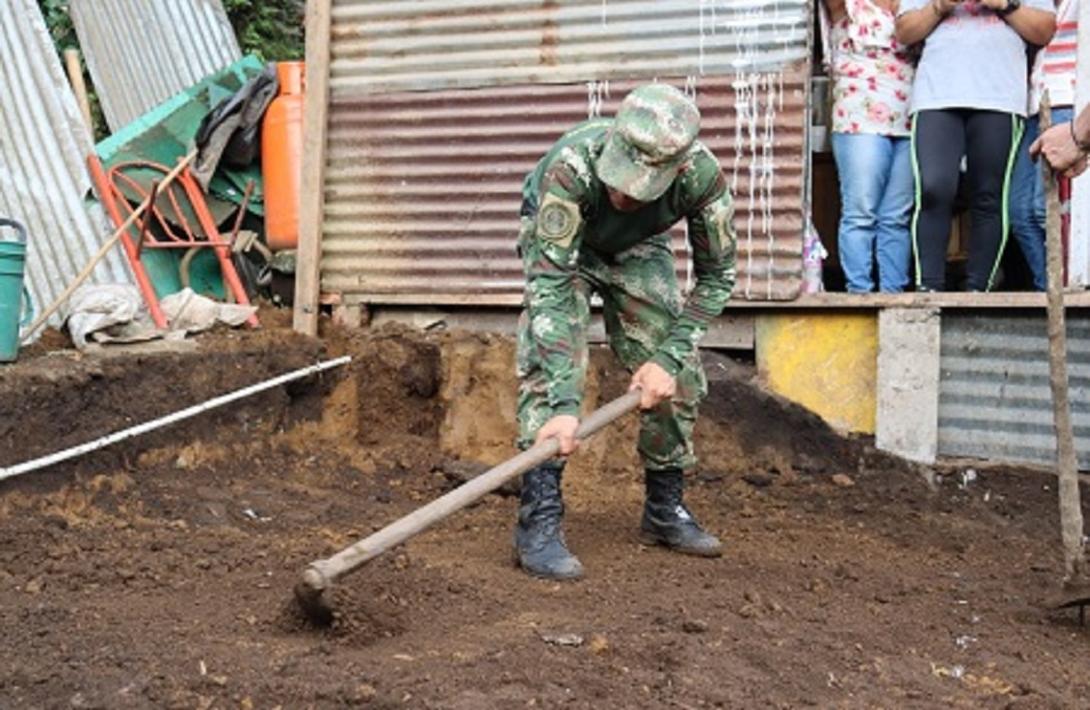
point(75, 77)
point(1071, 523)
point(312, 193)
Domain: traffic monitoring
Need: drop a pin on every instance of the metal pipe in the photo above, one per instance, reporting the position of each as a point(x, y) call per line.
point(241, 212)
point(42, 462)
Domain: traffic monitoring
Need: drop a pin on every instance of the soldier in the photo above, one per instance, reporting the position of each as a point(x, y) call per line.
point(595, 215)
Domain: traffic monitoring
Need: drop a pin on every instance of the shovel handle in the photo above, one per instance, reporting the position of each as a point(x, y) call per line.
point(322, 573)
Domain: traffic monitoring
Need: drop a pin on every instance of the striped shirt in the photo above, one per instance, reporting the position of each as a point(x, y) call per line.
point(1054, 68)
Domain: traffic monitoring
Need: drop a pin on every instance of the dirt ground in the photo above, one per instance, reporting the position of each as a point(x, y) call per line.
point(158, 573)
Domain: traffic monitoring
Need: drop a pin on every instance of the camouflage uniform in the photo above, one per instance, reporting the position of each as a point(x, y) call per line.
point(574, 243)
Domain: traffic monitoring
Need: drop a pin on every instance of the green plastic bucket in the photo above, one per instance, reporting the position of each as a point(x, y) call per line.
point(12, 290)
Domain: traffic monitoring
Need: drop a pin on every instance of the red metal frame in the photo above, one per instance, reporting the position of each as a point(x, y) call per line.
point(108, 186)
point(105, 193)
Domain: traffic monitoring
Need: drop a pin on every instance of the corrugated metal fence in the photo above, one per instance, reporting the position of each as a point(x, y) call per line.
point(994, 396)
point(398, 45)
point(43, 145)
point(438, 109)
point(142, 52)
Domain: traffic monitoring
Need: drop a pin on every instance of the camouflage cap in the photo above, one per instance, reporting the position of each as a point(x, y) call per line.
point(652, 132)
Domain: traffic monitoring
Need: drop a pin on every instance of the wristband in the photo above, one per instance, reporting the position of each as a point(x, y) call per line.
point(1083, 147)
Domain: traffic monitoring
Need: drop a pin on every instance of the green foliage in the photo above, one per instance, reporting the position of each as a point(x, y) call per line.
point(59, 23)
point(272, 29)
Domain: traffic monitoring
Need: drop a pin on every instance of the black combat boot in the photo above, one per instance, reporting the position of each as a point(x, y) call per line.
point(539, 541)
point(666, 520)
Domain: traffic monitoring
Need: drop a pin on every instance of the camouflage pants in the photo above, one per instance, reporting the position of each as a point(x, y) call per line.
point(641, 300)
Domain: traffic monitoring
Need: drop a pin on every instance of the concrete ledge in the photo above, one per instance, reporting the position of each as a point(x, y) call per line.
point(1073, 298)
point(908, 383)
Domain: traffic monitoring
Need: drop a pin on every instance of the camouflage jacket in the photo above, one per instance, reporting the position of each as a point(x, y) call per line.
point(566, 210)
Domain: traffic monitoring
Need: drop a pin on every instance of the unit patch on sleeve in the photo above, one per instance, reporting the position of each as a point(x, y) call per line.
point(558, 220)
point(718, 217)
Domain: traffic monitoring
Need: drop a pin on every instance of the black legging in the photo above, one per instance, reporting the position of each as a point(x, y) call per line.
point(989, 140)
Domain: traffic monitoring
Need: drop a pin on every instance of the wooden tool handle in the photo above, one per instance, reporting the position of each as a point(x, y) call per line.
point(321, 573)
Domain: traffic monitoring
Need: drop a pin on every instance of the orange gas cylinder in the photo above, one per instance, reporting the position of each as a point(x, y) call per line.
point(282, 158)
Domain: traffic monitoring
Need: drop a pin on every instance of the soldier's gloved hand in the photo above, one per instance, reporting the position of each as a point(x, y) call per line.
point(562, 428)
point(655, 385)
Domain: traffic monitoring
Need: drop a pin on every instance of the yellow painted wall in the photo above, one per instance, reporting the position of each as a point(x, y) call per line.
point(825, 361)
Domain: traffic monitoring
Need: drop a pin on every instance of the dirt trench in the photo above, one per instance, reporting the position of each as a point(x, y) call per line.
point(157, 573)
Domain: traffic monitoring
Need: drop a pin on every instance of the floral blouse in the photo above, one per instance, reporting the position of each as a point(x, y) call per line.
point(872, 73)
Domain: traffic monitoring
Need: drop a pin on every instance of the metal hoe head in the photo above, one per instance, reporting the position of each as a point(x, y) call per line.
point(1074, 598)
point(310, 596)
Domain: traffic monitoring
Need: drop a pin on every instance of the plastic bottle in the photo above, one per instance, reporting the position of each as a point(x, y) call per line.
point(282, 158)
point(813, 254)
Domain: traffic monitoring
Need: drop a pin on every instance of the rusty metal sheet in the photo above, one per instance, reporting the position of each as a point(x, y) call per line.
point(400, 45)
point(995, 401)
point(422, 189)
point(142, 52)
point(43, 144)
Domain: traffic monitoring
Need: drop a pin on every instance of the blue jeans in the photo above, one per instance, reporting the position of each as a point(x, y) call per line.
point(1027, 200)
point(876, 197)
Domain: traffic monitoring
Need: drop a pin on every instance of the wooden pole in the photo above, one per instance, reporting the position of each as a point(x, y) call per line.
point(312, 189)
point(75, 77)
point(1071, 523)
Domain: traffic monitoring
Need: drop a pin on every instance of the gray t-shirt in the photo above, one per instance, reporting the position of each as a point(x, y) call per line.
point(972, 59)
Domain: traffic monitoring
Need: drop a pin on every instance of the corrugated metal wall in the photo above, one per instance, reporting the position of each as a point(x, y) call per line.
point(43, 144)
point(994, 395)
point(438, 110)
point(422, 188)
point(142, 52)
point(398, 45)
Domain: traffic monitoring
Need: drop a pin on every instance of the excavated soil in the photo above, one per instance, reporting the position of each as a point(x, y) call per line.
point(158, 573)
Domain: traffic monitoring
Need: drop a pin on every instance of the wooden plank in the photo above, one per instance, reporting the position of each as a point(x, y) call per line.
point(79, 87)
point(729, 331)
point(312, 192)
point(815, 301)
point(1073, 298)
